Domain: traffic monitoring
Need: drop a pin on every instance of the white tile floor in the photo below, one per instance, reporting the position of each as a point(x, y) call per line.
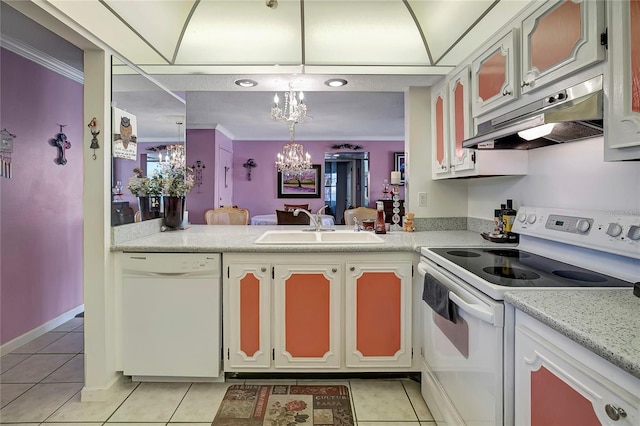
point(40, 382)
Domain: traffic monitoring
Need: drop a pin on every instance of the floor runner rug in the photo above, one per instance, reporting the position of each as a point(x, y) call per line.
point(285, 405)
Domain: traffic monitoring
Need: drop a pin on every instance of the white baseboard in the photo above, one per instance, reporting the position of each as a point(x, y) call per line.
point(97, 394)
point(14, 344)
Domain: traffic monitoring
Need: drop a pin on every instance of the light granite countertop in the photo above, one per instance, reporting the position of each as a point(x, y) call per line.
point(221, 238)
point(607, 322)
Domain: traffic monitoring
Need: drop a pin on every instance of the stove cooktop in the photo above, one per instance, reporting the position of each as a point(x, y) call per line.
point(517, 268)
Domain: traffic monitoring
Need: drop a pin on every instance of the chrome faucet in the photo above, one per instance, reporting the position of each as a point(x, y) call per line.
point(315, 221)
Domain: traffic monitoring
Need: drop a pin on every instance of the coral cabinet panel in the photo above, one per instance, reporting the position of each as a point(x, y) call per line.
point(560, 38)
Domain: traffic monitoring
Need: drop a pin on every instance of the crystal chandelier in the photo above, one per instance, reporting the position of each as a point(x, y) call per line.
point(294, 109)
point(292, 159)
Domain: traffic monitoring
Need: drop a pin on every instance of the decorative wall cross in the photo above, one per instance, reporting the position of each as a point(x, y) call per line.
point(62, 144)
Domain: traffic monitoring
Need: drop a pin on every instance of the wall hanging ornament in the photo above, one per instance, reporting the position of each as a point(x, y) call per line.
point(62, 144)
point(250, 164)
point(6, 148)
point(197, 173)
point(94, 133)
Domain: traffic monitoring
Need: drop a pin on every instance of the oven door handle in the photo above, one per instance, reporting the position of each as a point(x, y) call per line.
point(478, 311)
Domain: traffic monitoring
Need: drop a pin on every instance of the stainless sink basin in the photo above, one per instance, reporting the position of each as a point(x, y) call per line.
point(302, 237)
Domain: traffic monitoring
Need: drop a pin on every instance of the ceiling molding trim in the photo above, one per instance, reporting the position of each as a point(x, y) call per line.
point(463, 35)
point(224, 131)
point(126, 24)
point(417, 23)
point(360, 139)
point(41, 58)
point(184, 29)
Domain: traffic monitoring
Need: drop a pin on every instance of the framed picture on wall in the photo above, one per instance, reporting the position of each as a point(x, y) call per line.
point(398, 164)
point(303, 185)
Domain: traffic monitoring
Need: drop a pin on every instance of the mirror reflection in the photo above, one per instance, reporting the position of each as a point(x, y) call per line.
point(147, 122)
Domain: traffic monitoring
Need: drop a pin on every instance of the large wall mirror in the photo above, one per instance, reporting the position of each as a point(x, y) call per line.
point(146, 120)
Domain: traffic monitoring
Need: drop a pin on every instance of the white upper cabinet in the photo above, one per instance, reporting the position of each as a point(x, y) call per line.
point(440, 133)
point(622, 129)
point(494, 75)
point(559, 38)
point(460, 120)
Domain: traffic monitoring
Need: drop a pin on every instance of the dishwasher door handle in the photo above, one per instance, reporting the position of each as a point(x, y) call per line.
point(157, 274)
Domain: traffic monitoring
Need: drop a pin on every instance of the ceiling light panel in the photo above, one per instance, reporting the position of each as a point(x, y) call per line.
point(159, 22)
point(443, 22)
point(361, 33)
point(242, 32)
point(98, 20)
point(501, 13)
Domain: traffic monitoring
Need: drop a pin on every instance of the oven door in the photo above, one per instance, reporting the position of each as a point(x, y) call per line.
point(463, 362)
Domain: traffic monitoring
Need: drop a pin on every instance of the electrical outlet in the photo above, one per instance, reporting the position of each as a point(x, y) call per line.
point(422, 199)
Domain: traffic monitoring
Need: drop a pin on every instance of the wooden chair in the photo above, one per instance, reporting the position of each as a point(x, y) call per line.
point(287, 218)
point(361, 213)
point(227, 216)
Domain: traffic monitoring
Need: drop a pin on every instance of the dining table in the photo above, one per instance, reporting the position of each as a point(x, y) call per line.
point(271, 219)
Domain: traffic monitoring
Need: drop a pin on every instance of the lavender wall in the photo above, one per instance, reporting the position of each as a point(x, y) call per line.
point(41, 207)
point(260, 194)
point(201, 146)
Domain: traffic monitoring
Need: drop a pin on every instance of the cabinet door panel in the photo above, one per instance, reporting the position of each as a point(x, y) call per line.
point(248, 308)
point(440, 131)
point(557, 382)
point(622, 132)
point(560, 38)
point(459, 89)
point(307, 316)
point(494, 76)
point(378, 317)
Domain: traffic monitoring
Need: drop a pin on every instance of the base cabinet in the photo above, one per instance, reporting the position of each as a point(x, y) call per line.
point(378, 314)
point(558, 382)
point(317, 312)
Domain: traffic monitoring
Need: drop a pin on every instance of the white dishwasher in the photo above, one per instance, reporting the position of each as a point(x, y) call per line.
point(171, 315)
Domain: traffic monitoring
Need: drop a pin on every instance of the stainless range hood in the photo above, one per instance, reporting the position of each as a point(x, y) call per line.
point(574, 113)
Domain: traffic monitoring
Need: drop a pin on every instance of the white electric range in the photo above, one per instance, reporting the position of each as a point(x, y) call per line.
point(464, 361)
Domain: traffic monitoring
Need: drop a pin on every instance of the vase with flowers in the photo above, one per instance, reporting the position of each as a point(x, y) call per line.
point(176, 180)
point(148, 191)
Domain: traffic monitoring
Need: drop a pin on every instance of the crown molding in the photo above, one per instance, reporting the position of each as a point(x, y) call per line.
point(41, 58)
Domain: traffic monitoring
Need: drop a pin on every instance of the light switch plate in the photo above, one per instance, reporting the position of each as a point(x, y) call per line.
point(422, 199)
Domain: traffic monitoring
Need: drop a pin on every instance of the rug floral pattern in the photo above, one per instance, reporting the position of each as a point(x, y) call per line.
point(285, 405)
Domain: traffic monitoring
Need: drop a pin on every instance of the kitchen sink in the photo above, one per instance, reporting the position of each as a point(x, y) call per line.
point(303, 237)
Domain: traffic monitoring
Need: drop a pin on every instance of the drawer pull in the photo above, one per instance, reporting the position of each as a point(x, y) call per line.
point(615, 413)
point(506, 92)
point(263, 269)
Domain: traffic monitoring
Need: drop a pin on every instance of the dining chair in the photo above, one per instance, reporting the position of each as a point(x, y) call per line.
point(361, 213)
point(287, 218)
point(227, 216)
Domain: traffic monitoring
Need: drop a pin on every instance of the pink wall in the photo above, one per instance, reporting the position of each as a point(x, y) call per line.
point(260, 194)
point(41, 214)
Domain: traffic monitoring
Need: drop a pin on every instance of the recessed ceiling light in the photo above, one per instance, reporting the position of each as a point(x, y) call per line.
point(335, 82)
point(245, 82)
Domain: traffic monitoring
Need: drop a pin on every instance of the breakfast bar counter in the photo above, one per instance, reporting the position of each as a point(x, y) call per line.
point(236, 238)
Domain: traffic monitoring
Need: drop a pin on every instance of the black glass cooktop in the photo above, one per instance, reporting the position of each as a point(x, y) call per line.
point(517, 268)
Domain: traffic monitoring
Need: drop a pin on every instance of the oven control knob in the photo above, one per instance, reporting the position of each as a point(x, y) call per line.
point(634, 232)
point(614, 229)
point(583, 225)
point(522, 216)
point(531, 218)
